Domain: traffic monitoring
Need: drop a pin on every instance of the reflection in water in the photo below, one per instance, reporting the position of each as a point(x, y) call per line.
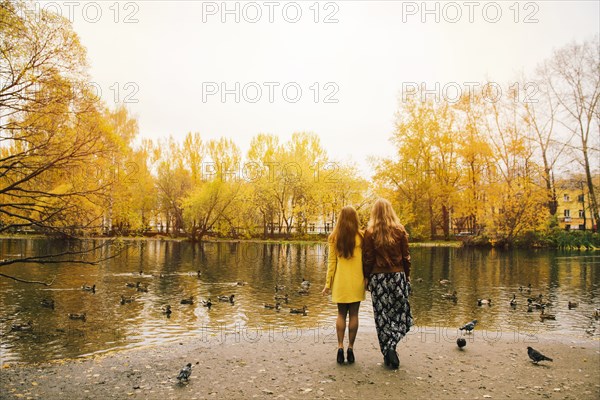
point(250, 271)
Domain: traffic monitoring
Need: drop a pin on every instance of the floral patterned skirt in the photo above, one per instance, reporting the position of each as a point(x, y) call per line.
point(391, 308)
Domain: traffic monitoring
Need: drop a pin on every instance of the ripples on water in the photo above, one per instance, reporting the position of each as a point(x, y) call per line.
point(258, 267)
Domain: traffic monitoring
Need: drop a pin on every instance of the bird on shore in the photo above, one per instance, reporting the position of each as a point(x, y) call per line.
point(184, 374)
point(484, 302)
point(48, 303)
point(298, 310)
point(444, 281)
point(450, 296)
point(469, 326)
point(536, 356)
point(513, 301)
point(188, 300)
point(77, 316)
point(126, 300)
point(275, 306)
point(22, 327)
point(572, 305)
point(89, 288)
point(167, 310)
point(461, 342)
point(207, 303)
point(226, 299)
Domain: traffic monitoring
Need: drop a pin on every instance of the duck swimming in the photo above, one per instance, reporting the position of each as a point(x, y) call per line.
point(48, 303)
point(450, 296)
point(189, 300)
point(22, 327)
point(298, 310)
point(281, 297)
point(544, 316)
point(167, 310)
point(303, 292)
point(126, 300)
point(484, 302)
point(572, 305)
point(207, 303)
point(89, 288)
point(444, 281)
point(77, 316)
point(513, 302)
point(275, 306)
point(228, 299)
point(305, 283)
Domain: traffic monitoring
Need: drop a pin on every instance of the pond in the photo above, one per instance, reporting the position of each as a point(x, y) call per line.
point(250, 271)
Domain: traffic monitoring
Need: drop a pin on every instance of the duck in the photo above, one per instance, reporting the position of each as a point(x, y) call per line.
point(77, 316)
point(207, 303)
point(167, 310)
point(520, 288)
point(198, 273)
point(48, 303)
point(281, 297)
point(226, 298)
point(298, 310)
point(189, 300)
point(529, 308)
point(141, 272)
point(444, 281)
point(529, 288)
point(143, 289)
point(275, 306)
point(305, 283)
point(279, 287)
point(22, 327)
point(132, 285)
point(513, 301)
point(572, 305)
point(450, 296)
point(241, 283)
point(484, 302)
point(544, 316)
point(89, 288)
point(596, 314)
point(303, 291)
point(126, 300)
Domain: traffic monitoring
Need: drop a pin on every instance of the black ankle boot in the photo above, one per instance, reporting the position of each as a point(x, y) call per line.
point(340, 356)
point(393, 359)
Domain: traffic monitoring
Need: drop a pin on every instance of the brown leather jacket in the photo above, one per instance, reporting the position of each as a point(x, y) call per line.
point(394, 258)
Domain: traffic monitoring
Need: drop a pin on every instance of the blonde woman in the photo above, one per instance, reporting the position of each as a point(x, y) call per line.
point(345, 278)
point(386, 265)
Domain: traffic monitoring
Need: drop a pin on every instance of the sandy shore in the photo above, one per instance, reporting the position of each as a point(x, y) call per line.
point(273, 364)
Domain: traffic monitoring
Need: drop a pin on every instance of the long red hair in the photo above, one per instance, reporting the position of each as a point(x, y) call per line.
point(345, 231)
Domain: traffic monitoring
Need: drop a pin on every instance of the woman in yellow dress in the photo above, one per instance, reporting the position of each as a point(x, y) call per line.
point(345, 280)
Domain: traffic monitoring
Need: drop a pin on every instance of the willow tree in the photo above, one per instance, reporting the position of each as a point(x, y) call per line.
point(51, 129)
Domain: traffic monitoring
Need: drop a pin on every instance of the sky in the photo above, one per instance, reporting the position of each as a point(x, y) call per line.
point(335, 68)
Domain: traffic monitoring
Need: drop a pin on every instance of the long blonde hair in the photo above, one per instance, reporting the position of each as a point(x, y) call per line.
point(344, 233)
point(383, 223)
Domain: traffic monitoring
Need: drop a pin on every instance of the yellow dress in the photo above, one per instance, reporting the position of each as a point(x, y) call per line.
point(345, 275)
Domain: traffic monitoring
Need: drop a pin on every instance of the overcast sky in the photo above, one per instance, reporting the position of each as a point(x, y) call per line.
point(170, 60)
